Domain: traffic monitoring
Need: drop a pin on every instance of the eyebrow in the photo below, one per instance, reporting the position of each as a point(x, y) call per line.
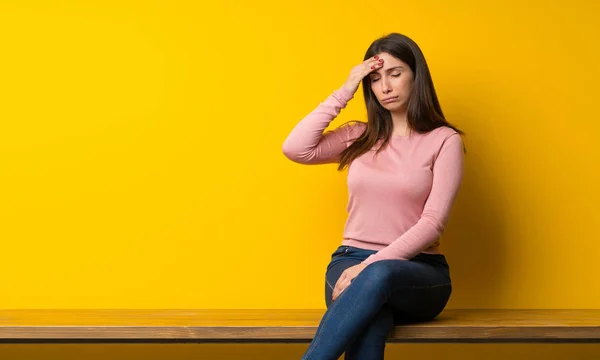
point(390, 69)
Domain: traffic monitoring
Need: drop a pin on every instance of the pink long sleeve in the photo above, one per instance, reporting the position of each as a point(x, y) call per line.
point(307, 144)
point(447, 177)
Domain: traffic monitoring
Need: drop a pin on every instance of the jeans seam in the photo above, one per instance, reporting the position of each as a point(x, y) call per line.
point(327, 282)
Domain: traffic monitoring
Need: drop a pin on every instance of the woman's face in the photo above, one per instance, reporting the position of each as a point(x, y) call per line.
point(392, 81)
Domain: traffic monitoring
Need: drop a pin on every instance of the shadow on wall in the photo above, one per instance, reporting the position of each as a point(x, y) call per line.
point(475, 238)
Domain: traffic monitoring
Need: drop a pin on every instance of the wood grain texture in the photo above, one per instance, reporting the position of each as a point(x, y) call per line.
point(288, 325)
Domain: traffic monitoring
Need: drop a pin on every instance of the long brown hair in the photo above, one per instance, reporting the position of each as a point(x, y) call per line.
point(424, 112)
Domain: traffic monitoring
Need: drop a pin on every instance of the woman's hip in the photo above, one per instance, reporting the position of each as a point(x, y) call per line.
point(346, 256)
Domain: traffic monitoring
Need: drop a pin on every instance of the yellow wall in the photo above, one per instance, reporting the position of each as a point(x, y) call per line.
point(141, 164)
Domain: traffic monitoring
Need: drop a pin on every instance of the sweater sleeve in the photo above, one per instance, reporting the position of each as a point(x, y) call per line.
point(447, 178)
point(306, 143)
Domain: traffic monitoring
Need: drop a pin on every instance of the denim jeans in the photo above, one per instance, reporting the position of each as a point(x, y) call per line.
point(384, 294)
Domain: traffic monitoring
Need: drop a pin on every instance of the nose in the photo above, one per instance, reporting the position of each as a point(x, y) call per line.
point(385, 86)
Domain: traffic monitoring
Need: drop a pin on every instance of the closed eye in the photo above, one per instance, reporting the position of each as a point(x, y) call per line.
point(374, 80)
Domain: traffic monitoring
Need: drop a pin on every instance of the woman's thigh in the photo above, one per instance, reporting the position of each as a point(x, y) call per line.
point(419, 289)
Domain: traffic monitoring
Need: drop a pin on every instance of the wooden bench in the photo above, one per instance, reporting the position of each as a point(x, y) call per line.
point(235, 326)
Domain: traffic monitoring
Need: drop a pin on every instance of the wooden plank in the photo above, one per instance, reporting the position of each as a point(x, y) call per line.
point(288, 325)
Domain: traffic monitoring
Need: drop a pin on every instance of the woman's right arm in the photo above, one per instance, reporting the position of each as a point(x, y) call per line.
point(307, 144)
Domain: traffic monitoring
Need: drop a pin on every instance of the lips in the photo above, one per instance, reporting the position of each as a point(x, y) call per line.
point(388, 100)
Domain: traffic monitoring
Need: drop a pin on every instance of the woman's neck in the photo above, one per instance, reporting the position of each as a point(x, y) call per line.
point(400, 121)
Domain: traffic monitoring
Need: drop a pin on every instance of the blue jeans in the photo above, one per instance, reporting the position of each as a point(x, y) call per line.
point(384, 294)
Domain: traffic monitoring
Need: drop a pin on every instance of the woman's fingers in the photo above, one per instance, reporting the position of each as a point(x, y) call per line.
point(373, 63)
point(361, 70)
point(340, 286)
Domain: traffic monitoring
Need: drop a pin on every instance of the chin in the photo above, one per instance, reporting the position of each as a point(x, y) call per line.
point(392, 106)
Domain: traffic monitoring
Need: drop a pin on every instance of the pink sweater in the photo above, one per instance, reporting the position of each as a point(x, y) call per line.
point(399, 201)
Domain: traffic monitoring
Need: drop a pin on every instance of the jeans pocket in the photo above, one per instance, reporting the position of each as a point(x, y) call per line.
point(338, 255)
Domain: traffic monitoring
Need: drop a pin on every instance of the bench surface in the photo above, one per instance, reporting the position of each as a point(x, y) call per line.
point(287, 326)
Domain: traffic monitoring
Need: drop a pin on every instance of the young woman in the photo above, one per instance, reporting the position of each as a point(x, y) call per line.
point(405, 168)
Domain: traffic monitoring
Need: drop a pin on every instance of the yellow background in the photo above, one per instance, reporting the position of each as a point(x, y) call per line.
point(141, 163)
